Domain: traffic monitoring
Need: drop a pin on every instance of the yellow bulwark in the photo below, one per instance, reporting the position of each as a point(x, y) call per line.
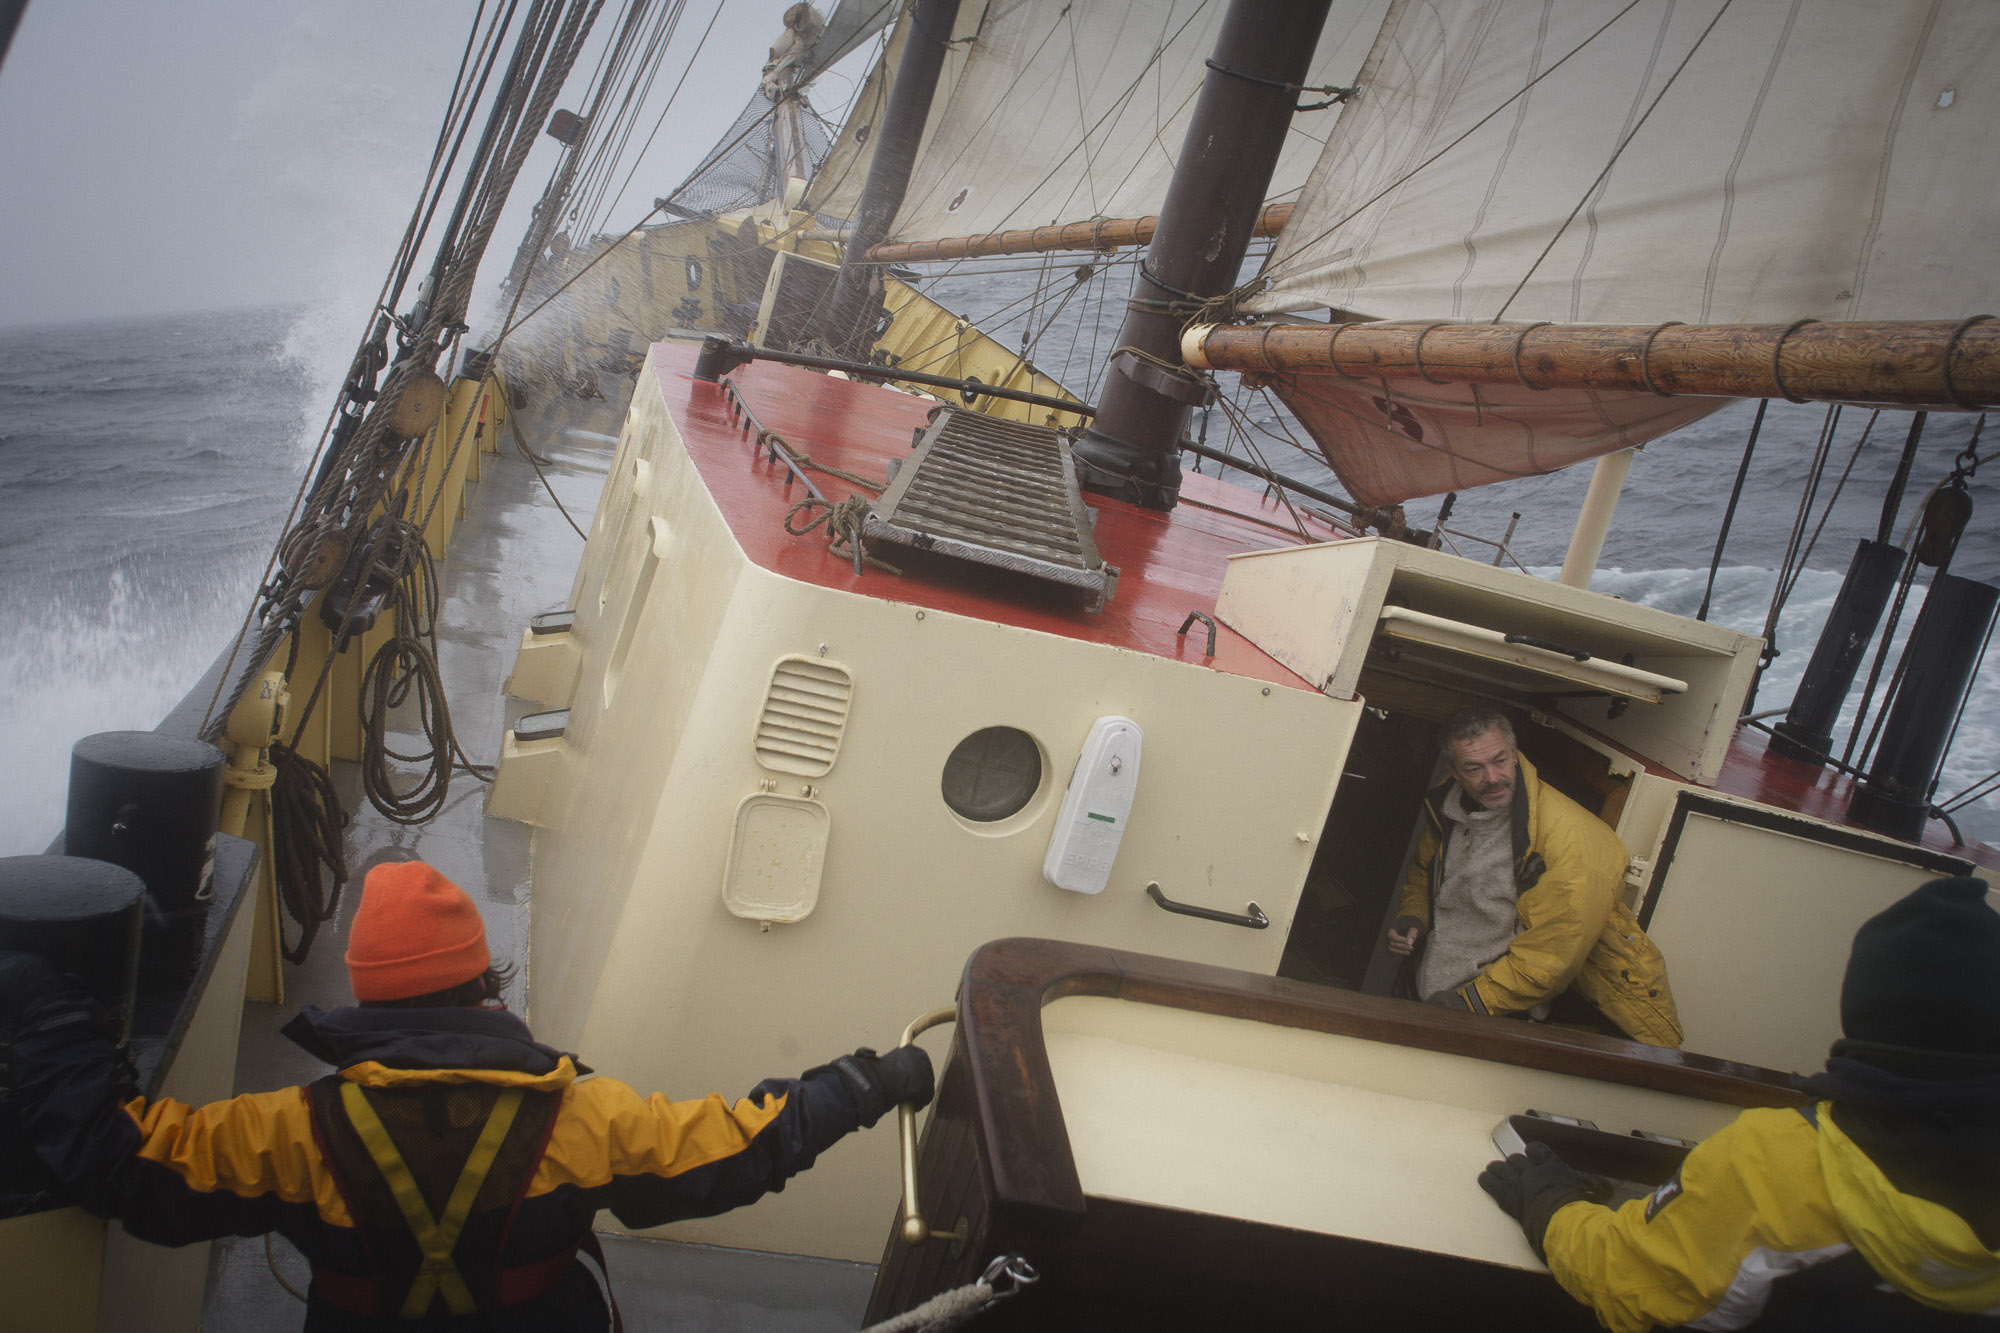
point(924, 336)
point(436, 473)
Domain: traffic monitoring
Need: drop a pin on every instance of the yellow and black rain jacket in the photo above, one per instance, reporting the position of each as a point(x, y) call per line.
point(1569, 868)
point(1779, 1220)
point(284, 1161)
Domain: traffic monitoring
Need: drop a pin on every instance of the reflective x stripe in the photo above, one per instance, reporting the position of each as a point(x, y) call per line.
point(436, 1237)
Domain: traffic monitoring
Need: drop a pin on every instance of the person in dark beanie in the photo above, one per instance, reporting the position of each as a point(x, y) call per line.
point(1876, 1207)
point(451, 1168)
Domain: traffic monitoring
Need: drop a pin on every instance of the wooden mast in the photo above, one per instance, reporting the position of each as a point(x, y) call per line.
point(1262, 54)
point(1102, 234)
point(854, 305)
point(1941, 363)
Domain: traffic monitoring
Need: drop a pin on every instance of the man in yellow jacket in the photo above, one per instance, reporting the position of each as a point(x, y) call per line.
point(1875, 1207)
point(1513, 896)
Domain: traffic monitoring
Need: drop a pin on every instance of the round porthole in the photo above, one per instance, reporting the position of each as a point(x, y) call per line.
point(991, 774)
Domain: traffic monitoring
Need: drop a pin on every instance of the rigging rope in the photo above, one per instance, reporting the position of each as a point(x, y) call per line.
point(1612, 161)
point(361, 456)
point(1781, 589)
point(1729, 513)
point(1273, 269)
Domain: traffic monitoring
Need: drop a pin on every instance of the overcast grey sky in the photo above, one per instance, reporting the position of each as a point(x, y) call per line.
point(214, 153)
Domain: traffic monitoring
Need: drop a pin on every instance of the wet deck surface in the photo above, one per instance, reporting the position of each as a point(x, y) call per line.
point(512, 556)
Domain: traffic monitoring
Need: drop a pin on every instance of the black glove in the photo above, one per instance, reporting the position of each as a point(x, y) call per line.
point(35, 996)
point(882, 1082)
point(1531, 1186)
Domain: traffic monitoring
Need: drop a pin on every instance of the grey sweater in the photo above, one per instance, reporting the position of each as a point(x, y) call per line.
point(1473, 919)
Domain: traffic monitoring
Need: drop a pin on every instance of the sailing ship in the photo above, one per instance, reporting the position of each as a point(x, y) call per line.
point(884, 646)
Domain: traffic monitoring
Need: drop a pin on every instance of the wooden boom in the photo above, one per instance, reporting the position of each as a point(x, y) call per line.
point(1909, 363)
point(1103, 234)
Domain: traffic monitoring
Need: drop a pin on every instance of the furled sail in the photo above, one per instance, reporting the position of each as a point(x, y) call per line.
point(835, 191)
point(1059, 111)
point(1707, 161)
point(851, 23)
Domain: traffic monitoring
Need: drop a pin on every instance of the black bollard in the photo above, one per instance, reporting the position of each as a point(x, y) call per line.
point(82, 915)
point(1938, 663)
point(718, 357)
point(152, 804)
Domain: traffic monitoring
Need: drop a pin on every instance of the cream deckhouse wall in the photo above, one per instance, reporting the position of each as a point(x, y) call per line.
point(638, 965)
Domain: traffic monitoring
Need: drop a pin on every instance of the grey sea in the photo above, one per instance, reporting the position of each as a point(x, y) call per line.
point(146, 467)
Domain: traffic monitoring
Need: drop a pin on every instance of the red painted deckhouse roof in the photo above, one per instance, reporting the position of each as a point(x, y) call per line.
point(1169, 564)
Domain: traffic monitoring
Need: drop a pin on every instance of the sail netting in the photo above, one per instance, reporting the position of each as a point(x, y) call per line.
point(1664, 161)
point(1049, 111)
point(752, 162)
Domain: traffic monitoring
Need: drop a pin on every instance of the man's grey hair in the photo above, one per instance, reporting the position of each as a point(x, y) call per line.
point(1472, 722)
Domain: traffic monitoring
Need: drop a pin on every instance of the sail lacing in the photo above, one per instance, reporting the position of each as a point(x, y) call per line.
point(1333, 92)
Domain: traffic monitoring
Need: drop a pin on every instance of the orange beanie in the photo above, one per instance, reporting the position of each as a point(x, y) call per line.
point(415, 932)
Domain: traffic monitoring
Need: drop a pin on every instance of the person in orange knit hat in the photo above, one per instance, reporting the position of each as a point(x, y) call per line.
point(452, 1167)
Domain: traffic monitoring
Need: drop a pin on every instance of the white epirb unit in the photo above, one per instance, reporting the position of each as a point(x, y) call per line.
point(1095, 808)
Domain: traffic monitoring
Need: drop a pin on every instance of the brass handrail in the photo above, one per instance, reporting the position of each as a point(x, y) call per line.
point(915, 1230)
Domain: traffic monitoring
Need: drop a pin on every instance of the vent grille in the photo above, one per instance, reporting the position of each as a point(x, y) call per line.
point(805, 713)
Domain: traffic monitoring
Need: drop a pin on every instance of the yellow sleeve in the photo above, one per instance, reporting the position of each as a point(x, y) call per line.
point(1563, 914)
point(607, 1130)
point(1747, 1207)
point(1414, 899)
point(249, 1146)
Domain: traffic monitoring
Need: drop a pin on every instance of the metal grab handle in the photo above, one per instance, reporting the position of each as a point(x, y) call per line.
point(1252, 918)
point(915, 1230)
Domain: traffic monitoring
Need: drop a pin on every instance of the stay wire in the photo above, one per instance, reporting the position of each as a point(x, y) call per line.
point(1274, 269)
point(306, 811)
point(1799, 567)
point(644, 148)
point(212, 724)
point(1729, 513)
point(1616, 153)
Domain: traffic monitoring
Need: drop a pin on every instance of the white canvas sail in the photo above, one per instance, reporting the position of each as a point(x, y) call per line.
point(852, 23)
point(1068, 110)
point(835, 191)
point(1727, 161)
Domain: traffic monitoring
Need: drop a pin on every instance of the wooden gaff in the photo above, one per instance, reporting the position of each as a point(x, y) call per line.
point(1103, 234)
point(1927, 363)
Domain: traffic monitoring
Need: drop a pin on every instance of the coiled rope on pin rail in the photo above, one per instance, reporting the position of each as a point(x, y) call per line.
point(306, 825)
point(404, 670)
